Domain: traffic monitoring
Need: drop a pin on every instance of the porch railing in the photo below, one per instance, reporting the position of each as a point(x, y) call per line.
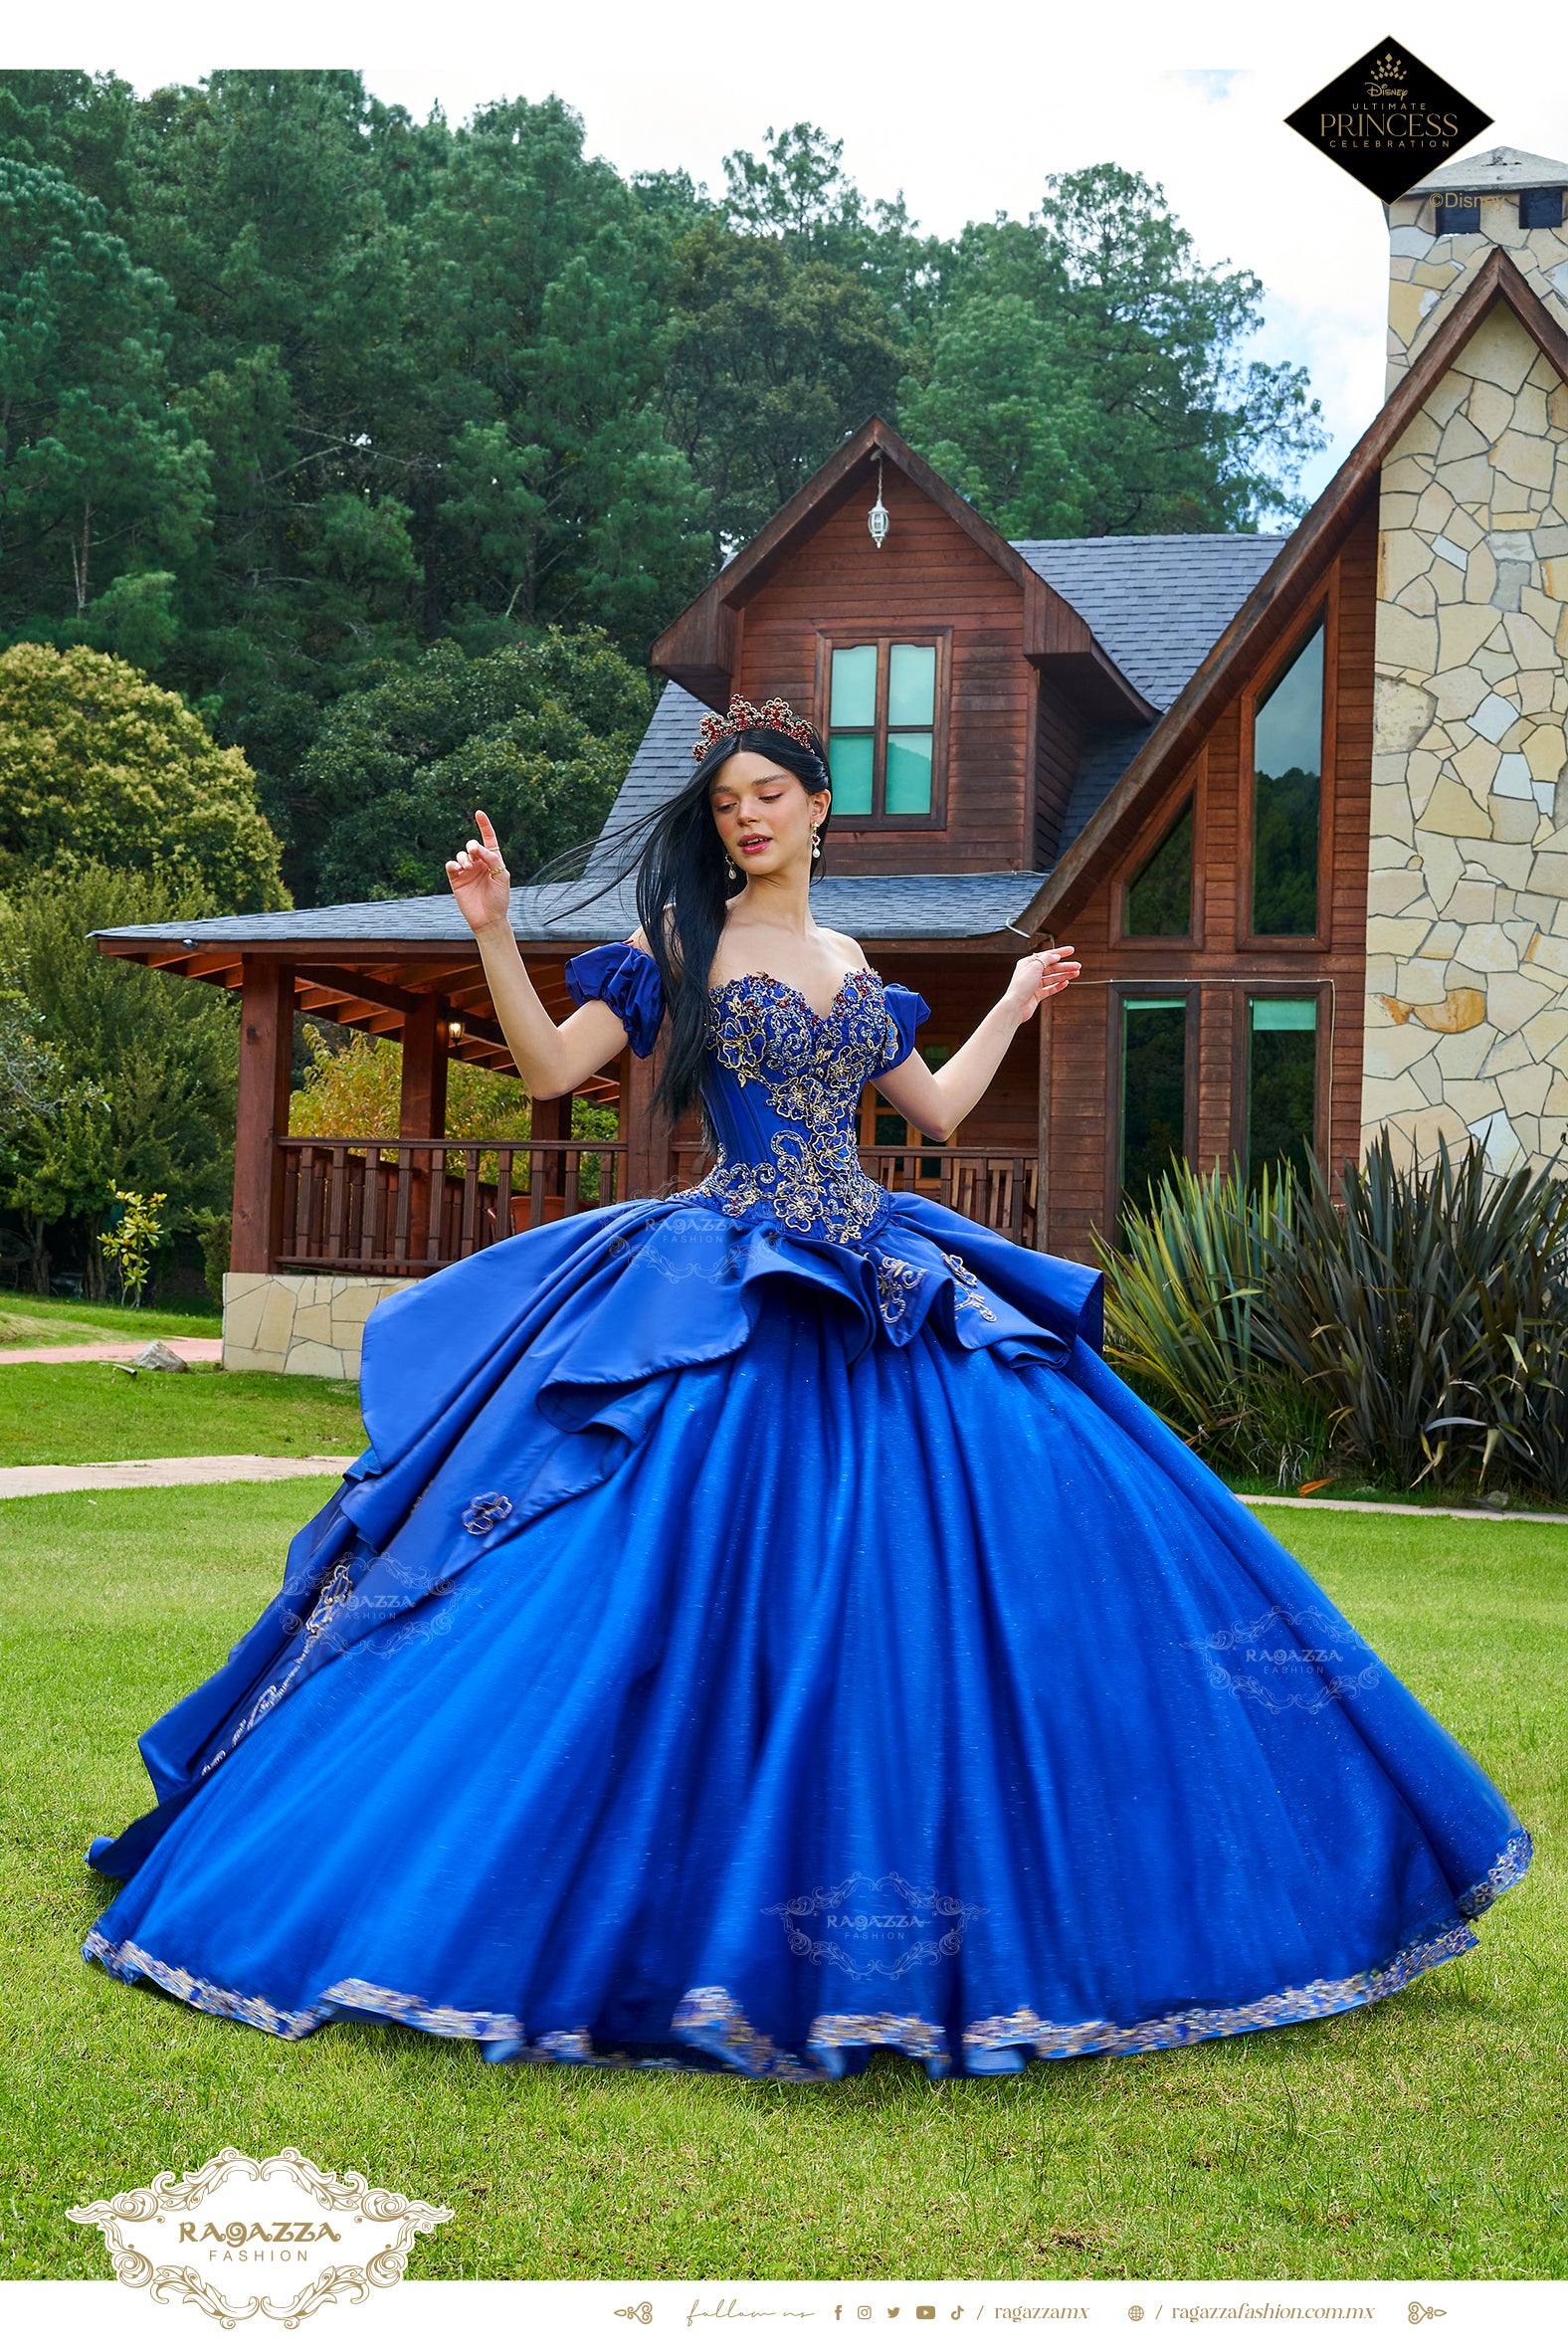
point(357, 1204)
point(997, 1188)
point(354, 1204)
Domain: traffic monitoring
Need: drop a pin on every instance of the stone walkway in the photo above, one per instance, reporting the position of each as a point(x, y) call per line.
point(211, 1469)
point(226, 1469)
point(1491, 1518)
point(114, 1351)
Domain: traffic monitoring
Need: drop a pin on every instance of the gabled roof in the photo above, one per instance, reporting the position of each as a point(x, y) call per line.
point(697, 650)
point(1291, 577)
point(1156, 604)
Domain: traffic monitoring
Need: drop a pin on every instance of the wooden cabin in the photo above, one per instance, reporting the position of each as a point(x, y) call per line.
point(1165, 750)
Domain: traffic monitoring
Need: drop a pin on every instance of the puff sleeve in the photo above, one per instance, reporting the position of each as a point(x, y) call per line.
point(906, 1012)
point(626, 979)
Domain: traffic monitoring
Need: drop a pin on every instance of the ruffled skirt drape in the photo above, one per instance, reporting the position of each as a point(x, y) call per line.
point(742, 1651)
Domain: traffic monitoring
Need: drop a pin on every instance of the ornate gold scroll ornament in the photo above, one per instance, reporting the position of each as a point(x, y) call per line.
point(275, 2239)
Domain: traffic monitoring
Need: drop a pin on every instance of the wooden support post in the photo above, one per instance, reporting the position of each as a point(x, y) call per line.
point(266, 1055)
point(643, 1128)
point(422, 1111)
point(553, 1122)
point(1043, 1140)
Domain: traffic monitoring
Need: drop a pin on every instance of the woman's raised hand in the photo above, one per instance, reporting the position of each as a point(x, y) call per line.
point(480, 880)
point(1040, 975)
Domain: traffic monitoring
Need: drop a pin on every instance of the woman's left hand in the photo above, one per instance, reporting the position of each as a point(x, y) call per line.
point(1038, 976)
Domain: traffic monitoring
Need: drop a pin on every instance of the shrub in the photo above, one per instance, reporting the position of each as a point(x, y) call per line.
point(1426, 1309)
point(99, 763)
point(1417, 1325)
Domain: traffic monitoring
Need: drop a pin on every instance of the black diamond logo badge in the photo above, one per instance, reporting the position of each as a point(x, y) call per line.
point(1388, 121)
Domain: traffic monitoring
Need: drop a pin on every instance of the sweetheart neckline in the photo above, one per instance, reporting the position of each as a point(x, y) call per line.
point(858, 971)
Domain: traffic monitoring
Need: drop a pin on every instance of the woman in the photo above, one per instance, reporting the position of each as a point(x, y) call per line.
point(761, 1629)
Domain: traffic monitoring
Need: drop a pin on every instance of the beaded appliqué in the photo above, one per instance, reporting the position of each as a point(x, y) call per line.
point(710, 2017)
point(967, 1289)
point(336, 1592)
point(486, 1511)
point(898, 1285)
point(811, 1068)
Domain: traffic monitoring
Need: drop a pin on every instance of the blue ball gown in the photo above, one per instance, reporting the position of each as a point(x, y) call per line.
point(762, 1629)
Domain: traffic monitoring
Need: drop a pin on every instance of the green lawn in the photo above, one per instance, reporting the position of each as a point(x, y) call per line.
point(97, 1412)
point(67, 1321)
point(1407, 2140)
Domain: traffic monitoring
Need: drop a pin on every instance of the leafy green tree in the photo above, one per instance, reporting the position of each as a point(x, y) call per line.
point(273, 206)
point(98, 762)
point(293, 387)
point(1084, 375)
point(541, 285)
point(538, 735)
point(797, 193)
point(773, 360)
point(102, 480)
point(145, 1063)
point(81, 124)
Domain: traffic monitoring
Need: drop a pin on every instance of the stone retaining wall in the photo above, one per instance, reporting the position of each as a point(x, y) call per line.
point(312, 1322)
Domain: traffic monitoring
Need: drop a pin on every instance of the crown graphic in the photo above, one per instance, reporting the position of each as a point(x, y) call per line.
point(1389, 68)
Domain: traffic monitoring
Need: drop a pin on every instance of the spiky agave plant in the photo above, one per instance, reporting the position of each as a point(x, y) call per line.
point(1423, 1306)
point(1183, 1290)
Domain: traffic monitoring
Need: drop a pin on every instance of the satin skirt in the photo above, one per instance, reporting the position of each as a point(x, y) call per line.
point(745, 1650)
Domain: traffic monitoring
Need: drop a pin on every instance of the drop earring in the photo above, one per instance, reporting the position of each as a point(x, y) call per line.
point(816, 847)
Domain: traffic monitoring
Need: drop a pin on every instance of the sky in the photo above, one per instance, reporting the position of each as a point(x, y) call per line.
point(963, 107)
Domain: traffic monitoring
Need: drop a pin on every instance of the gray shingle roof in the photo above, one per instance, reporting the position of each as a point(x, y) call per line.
point(661, 765)
point(870, 905)
point(1106, 755)
point(1155, 604)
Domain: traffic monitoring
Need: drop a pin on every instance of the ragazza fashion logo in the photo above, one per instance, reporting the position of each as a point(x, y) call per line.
point(1290, 1659)
point(1388, 119)
point(869, 1927)
point(272, 2238)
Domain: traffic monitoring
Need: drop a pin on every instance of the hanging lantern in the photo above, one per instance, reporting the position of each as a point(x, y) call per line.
point(454, 1032)
point(879, 521)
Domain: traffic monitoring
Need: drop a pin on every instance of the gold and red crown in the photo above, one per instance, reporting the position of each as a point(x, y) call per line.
point(742, 715)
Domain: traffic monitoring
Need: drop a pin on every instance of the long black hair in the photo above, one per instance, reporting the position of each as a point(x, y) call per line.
point(681, 883)
point(685, 882)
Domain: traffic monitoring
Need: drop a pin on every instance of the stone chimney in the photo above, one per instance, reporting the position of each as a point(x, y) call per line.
point(1467, 1015)
point(1442, 229)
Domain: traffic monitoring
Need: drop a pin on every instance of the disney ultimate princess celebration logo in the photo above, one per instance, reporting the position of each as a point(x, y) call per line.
point(1388, 119)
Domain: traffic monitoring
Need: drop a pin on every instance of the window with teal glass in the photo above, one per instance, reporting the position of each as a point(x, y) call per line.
point(1288, 790)
point(851, 726)
point(1281, 1081)
point(1153, 1091)
point(884, 727)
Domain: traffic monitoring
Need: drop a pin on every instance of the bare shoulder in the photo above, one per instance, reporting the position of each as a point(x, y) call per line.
point(851, 948)
point(639, 939)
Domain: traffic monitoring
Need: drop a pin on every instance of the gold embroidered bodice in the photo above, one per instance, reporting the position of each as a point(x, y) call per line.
point(782, 1090)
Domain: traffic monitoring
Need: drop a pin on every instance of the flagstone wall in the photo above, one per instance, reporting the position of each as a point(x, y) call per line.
point(1467, 911)
point(298, 1321)
point(1428, 274)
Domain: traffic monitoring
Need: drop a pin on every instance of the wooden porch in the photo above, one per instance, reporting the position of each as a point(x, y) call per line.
point(406, 1205)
